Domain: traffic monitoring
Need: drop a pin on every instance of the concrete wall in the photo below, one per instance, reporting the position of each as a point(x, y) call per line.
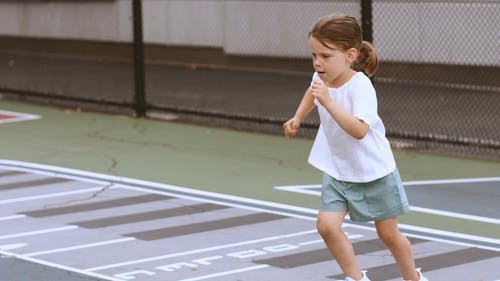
point(461, 32)
point(266, 28)
point(69, 20)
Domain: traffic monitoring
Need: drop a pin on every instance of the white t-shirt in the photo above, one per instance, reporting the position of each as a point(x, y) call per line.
point(342, 156)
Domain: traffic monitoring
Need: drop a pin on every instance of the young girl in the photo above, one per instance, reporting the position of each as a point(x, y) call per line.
point(360, 175)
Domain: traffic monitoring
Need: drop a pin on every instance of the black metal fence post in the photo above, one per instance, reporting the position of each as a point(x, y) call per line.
point(139, 76)
point(366, 20)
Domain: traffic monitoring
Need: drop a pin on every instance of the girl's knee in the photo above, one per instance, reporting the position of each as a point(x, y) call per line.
point(326, 227)
point(389, 237)
point(330, 223)
point(322, 227)
point(388, 231)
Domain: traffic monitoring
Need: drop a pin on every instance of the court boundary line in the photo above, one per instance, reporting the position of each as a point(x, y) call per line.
point(12, 217)
point(51, 195)
point(78, 247)
point(306, 189)
point(38, 232)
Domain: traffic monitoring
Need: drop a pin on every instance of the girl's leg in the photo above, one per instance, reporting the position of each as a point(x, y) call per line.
point(329, 227)
point(399, 246)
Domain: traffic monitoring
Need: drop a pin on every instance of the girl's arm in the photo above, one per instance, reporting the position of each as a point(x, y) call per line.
point(305, 107)
point(352, 125)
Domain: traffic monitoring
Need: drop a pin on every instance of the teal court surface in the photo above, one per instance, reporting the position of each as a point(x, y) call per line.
point(87, 196)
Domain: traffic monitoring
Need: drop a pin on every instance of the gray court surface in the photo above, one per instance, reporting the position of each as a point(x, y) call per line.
point(60, 224)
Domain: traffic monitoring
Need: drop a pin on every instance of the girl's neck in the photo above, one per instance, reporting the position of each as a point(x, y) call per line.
point(342, 79)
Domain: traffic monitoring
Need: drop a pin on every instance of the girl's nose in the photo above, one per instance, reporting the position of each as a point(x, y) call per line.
point(316, 62)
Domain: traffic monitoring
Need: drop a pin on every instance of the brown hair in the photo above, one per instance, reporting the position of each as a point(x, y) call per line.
point(344, 31)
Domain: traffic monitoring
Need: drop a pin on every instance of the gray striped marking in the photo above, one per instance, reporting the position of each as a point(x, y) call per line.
point(444, 260)
point(323, 255)
point(152, 215)
point(205, 226)
point(96, 205)
point(11, 173)
point(33, 183)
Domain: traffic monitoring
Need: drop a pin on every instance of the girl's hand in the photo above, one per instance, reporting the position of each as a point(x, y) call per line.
point(320, 92)
point(291, 127)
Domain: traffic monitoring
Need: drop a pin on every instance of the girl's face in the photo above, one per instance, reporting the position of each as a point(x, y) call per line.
point(332, 64)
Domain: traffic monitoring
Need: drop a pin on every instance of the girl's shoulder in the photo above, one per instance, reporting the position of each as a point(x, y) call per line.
point(360, 80)
point(360, 77)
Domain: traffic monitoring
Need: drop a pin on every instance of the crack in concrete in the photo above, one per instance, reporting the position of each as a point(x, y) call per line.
point(111, 168)
point(137, 127)
point(86, 198)
point(100, 136)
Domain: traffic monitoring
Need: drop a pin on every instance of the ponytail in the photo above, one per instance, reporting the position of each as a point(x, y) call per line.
point(367, 61)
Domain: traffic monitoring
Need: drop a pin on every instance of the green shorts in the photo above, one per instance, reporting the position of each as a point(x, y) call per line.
point(380, 199)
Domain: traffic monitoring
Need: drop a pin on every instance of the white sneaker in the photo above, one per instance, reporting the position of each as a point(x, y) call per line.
point(365, 278)
point(422, 278)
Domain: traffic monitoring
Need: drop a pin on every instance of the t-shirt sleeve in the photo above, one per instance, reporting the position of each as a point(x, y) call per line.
point(364, 100)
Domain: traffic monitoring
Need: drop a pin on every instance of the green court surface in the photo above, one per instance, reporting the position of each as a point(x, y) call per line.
point(218, 160)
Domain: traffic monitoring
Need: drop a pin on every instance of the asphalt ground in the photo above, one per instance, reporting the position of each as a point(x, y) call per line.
point(87, 196)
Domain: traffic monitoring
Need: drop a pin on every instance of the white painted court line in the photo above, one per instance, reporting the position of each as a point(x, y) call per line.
point(440, 233)
point(310, 242)
point(84, 246)
point(318, 241)
point(54, 173)
point(37, 232)
point(452, 234)
point(455, 215)
point(18, 116)
point(298, 188)
point(355, 236)
point(306, 189)
point(13, 217)
point(469, 180)
point(202, 250)
point(51, 195)
point(230, 272)
point(132, 274)
point(9, 247)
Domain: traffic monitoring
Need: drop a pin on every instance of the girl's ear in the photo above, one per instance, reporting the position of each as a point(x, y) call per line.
point(352, 54)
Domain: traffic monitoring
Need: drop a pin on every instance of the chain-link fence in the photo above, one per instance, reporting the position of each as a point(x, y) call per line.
point(68, 53)
point(439, 83)
point(246, 65)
